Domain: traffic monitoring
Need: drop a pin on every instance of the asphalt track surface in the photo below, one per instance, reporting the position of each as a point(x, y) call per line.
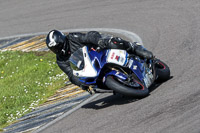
point(171, 29)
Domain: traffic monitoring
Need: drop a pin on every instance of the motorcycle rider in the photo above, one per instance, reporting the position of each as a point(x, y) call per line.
point(65, 45)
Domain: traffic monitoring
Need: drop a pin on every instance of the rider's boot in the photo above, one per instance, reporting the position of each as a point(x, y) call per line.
point(142, 52)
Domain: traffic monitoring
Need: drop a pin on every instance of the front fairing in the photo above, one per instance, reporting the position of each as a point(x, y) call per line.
point(87, 64)
point(81, 64)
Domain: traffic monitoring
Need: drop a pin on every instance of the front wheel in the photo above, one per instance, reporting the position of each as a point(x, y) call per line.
point(162, 71)
point(136, 90)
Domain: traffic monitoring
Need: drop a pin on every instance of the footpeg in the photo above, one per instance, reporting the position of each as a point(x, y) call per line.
point(98, 90)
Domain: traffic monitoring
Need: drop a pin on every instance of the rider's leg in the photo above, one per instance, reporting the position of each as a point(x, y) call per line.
point(142, 52)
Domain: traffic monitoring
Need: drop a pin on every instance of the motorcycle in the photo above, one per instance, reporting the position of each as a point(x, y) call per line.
point(117, 70)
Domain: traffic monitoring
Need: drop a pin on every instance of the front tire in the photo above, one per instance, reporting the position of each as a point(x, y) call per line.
point(162, 71)
point(114, 84)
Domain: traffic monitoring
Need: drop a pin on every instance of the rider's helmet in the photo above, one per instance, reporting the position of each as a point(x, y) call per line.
point(56, 41)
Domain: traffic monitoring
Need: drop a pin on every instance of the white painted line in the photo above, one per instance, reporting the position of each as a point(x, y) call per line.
point(67, 113)
point(132, 36)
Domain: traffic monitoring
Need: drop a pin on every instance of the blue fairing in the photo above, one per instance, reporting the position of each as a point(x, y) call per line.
point(139, 69)
point(99, 59)
point(116, 74)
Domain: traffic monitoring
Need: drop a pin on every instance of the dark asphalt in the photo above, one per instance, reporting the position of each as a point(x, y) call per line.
point(169, 28)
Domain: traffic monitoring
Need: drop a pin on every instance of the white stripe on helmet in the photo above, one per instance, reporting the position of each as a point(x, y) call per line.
point(52, 41)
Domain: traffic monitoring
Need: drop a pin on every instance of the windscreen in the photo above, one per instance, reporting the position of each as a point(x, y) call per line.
point(77, 60)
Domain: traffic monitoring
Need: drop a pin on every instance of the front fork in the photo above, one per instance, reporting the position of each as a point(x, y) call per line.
point(116, 74)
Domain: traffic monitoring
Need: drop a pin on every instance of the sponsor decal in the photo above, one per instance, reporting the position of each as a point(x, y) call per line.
point(112, 56)
point(134, 67)
point(117, 58)
point(122, 59)
point(148, 78)
point(130, 63)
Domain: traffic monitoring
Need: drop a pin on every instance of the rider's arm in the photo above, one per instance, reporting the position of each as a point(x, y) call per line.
point(94, 37)
point(65, 67)
point(91, 37)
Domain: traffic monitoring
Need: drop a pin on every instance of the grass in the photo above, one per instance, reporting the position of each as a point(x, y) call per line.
point(27, 79)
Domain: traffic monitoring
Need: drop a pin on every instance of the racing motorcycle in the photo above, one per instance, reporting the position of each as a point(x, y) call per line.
point(117, 70)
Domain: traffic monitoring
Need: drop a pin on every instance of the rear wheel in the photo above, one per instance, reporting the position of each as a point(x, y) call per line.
point(162, 71)
point(134, 88)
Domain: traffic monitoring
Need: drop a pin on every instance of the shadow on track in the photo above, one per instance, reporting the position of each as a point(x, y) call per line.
point(109, 101)
point(117, 99)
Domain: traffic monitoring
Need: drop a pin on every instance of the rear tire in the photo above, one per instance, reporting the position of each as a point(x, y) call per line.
point(112, 83)
point(162, 71)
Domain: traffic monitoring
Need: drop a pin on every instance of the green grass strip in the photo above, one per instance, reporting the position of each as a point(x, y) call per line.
point(27, 79)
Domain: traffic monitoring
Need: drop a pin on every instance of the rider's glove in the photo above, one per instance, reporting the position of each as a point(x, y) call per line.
point(103, 43)
point(130, 47)
point(116, 40)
